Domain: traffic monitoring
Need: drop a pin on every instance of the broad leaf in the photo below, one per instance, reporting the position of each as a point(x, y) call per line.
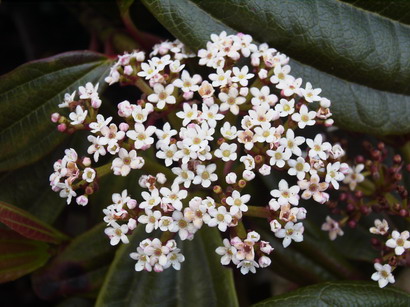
point(28, 225)
point(79, 268)
point(31, 93)
point(20, 256)
point(202, 280)
point(340, 294)
point(355, 107)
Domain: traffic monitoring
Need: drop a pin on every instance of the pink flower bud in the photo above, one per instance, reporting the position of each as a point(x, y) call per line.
point(329, 122)
point(62, 127)
point(55, 117)
point(124, 109)
point(86, 161)
point(266, 247)
point(96, 103)
point(158, 268)
point(274, 205)
point(301, 214)
point(143, 181)
point(188, 95)
point(265, 170)
point(124, 127)
point(82, 200)
point(236, 241)
point(231, 178)
point(128, 70)
point(275, 225)
point(140, 56)
point(344, 168)
point(131, 204)
point(264, 261)
point(325, 103)
point(244, 91)
point(132, 224)
point(248, 175)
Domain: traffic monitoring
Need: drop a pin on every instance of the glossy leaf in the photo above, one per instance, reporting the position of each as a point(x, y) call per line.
point(340, 294)
point(356, 107)
point(202, 280)
point(79, 268)
point(31, 93)
point(20, 256)
point(28, 225)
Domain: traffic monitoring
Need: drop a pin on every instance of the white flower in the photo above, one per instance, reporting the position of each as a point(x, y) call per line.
point(248, 265)
point(332, 227)
point(354, 176)
point(184, 175)
point(298, 168)
point(173, 196)
point(228, 132)
point(188, 83)
point(228, 252)
point(117, 233)
point(101, 122)
point(265, 170)
point(265, 133)
point(304, 117)
point(285, 194)
point(169, 153)
point(290, 86)
point(290, 232)
point(140, 114)
point(292, 142)
point(219, 217)
point(227, 152)
point(318, 148)
point(310, 94)
point(188, 114)
point(262, 114)
point(281, 74)
point(231, 100)
point(263, 96)
point(314, 188)
point(285, 107)
point(162, 96)
point(126, 161)
point(221, 78)
point(66, 191)
point(211, 115)
point(399, 242)
point(383, 275)
point(67, 100)
point(151, 219)
point(78, 116)
point(165, 222)
point(237, 202)
point(97, 148)
point(333, 175)
point(205, 175)
point(148, 70)
point(164, 135)
point(381, 227)
point(89, 174)
point(248, 161)
point(248, 138)
point(175, 258)
point(241, 75)
point(279, 156)
point(141, 135)
point(181, 225)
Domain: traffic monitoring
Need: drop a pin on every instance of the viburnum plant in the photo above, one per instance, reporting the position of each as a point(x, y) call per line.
point(215, 133)
point(216, 153)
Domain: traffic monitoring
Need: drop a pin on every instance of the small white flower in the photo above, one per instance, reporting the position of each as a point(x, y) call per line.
point(205, 175)
point(181, 225)
point(78, 116)
point(265, 170)
point(231, 100)
point(383, 275)
point(333, 174)
point(148, 70)
point(188, 83)
point(285, 107)
point(290, 232)
point(227, 152)
point(221, 78)
point(219, 217)
point(333, 228)
point(381, 227)
point(285, 194)
point(162, 95)
point(67, 100)
point(151, 219)
point(150, 199)
point(241, 75)
point(184, 175)
point(314, 188)
point(117, 233)
point(399, 242)
point(126, 161)
point(97, 148)
point(174, 196)
point(228, 252)
point(298, 168)
point(141, 135)
point(354, 176)
point(292, 142)
point(228, 132)
point(248, 266)
point(279, 156)
point(318, 148)
point(281, 74)
point(169, 153)
point(248, 161)
point(188, 114)
point(263, 96)
point(89, 174)
point(237, 202)
point(211, 115)
point(304, 117)
point(101, 122)
point(310, 94)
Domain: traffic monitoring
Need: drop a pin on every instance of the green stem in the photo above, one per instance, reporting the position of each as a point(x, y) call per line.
point(255, 211)
point(143, 86)
point(240, 230)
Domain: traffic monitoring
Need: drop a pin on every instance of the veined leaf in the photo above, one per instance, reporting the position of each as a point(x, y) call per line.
point(31, 93)
point(372, 107)
point(20, 256)
point(79, 268)
point(340, 294)
point(28, 225)
point(201, 281)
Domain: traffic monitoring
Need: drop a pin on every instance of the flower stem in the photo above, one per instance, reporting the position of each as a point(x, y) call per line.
point(256, 211)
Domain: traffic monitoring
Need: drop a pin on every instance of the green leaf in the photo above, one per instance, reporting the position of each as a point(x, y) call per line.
point(340, 294)
point(201, 281)
point(19, 256)
point(28, 225)
point(333, 58)
point(79, 268)
point(31, 93)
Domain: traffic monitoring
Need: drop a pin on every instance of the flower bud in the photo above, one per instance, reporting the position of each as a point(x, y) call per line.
point(264, 261)
point(132, 224)
point(244, 91)
point(242, 183)
point(124, 127)
point(275, 225)
point(248, 175)
point(265, 170)
point(62, 127)
point(266, 247)
point(86, 161)
point(188, 95)
point(128, 70)
point(263, 74)
point(231, 178)
point(55, 117)
point(131, 204)
point(325, 103)
point(82, 200)
point(161, 179)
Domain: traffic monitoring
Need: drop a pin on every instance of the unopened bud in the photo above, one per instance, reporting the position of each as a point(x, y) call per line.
point(86, 161)
point(55, 117)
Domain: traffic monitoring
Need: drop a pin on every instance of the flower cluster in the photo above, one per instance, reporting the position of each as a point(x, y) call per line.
point(201, 141)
